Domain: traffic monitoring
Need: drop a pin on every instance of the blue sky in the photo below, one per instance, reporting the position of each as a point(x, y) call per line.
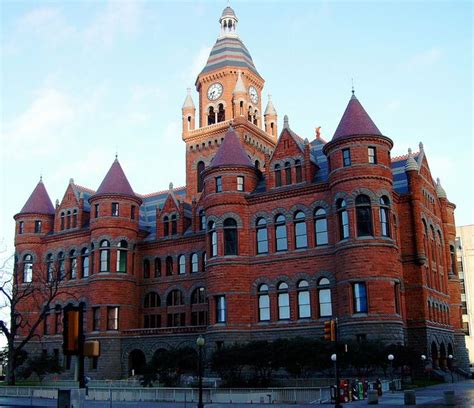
point(81, 80)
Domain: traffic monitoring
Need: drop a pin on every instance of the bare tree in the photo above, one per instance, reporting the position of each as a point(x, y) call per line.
point(27, 304)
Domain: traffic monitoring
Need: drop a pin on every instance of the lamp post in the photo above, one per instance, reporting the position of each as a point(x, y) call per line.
point(390, 359)
point(336, 374)
point(423, 363)
point(450, 359)
point(200, 344)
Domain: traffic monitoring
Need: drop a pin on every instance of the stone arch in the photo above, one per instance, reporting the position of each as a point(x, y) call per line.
point(136, 362)
point(342, 195)
point(286, 279)
point(383, 192)
point(260, 214)
point(233, 215)
point(34, 257)
point(164, 299)
point(192, 288)
point(274, 163)
point(325, 274)
point(262, 280)
point(300, 207)
point(320, 204)
point(282, 211)
point(434, 354)
point(298, 276)
point(365, 191)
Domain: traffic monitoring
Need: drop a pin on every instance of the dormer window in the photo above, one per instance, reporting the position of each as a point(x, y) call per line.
point(218, 184)
point(37, 227)
point(346, 157)
point(21, 227)
point(174, 226)
point(62, 221)
point(132, 212)
point(115, 209)
point(299, 175)
point(96, 211)
point(240, 183)
point(166, 226)
point(288, 173)
point(74, 218)
point(277, 175)
point(372, 155)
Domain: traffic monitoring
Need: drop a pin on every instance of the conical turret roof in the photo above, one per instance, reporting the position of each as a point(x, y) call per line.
point(115, 181)
point(355, 121)
point(39, 201)
point(188, 102)
point(231, 152)
point(270, 109)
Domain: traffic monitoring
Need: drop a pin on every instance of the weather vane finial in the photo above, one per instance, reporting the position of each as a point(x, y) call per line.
point(353, 91)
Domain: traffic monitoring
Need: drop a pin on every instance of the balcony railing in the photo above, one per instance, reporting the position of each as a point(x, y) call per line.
point(164, 330)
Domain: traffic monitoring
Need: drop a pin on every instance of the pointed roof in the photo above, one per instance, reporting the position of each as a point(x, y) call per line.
point(115, 181)
point(39, 201)
point(188, 102)
point(270, 109)
point(355, 121)
point(228, 12)
point(231, 152)
point(239, 85)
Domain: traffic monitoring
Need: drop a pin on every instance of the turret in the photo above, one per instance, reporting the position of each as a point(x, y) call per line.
point(271, 118)
point(189, 113)
point(239, 96)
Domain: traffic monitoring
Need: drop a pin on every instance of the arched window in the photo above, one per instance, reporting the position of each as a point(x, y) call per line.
point(324, 298)
point(104, 256)
point(255, 117)
point(301, 238)
point(202, 220)
point(122, 250)
point(385, 216)
point(263, 303)
point(169, 266)
point(433, 245)
point(61, 266)
point(166, 226)
point(241, 105)
point(283, 301)
point(174, 228)
point(280, 233)
point(85, 263)
point(257, 165)
point(68, 219)
point(249, 114)
point(298, 171)
point(211, 116)
point(304, 301)
point(146, 269)
point(72, 265)
point(182, 264)
point(92, 258)
point(157, 267)
point(212, 238)
point(277, 175)
point(343, 219)
point(27, 268)
point(203, 262)
point(62, 221)
point(194, 263)
point(288, 173)
point(262, 236)
point(198, 296)
point(49, 268)
point(152, 299)
point(230, 237)
point(320, 227)
point(363, 216)
point(220, 113)
point(175, 298)
point(74, 218)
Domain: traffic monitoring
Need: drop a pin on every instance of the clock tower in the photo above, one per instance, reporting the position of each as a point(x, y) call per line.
point(230, 92)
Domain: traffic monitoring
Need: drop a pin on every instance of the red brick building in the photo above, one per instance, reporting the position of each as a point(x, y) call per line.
point(272, 235)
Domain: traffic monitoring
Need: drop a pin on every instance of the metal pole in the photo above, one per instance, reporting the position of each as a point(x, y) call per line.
point(336, 367)
point(200, 404)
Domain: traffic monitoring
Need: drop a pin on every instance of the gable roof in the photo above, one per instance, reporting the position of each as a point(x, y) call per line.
point(231, 152)
point(38, 202)
point(115, 182)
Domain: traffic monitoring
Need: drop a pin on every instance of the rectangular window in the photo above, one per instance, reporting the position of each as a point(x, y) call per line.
point(37, 227)
point(372, 155)
point(346, 157)
point(132, 212)
point(465, 328)
point(325, 304)
point(220, 309)
point(95, 318)
point(176, 319)
point(359, 292)
point(112, 318)
point(240, 183)
point(115, 209)
point(96, 210)
point(397, 298)
point(218, 184)
point(21, 227)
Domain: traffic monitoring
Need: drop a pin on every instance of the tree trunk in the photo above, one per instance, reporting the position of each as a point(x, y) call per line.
point(11, 364)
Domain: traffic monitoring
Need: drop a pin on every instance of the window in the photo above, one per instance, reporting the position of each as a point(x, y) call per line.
point(301, 239)
point(262, 236)
point(198, 307)
point(363, 216)
point(263, 303)
point(95, 318)
point(212, 238)
point(151, 321)
point(68, 220)
point(202, 220)
point(452, 254)
point(112, 318)
point(37, 227)
point(343, 219)
point(280, 233)
point(85, 263)
point(299, 175)
point(220, 309)
point(372, 155)
point(157, 267)
point(146, 269)
point(230, 237)
point(27, 268)
point(359, 293)
point(194, 263)
point(46, 324)
point(21, 227)
point(96, 211)
point(320, 227)
point(152, 300)
point(122, 247)
point(283, 301)
point(277, 175)
point(166, 226)
point(72, 265)
point(304, 302)
point(218, 184)
point(104, 256)
point(346, 157)
point(175, 298)
point(220, 113)
point(61, 266)
point(240, 183)
point(115, 209)
point(288, 173)
point(198, 296)
point(182, 264)
point(169, 266)
point(200, 179)
point(74, 218)
point(133, 209)
point(203, 261)
point(49, 268)
point(324, 298)
point(396, 294)
point(174, 225)
point(385, 216)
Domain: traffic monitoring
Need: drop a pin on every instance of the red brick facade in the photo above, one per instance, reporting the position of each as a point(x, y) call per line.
point(303, 231)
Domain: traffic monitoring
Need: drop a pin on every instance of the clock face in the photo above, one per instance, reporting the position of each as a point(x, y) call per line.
point(214, 91)
point(253, 95)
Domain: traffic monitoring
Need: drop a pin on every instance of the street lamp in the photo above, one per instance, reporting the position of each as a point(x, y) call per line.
point(336, 373)
point(390, 359)
point(450, 359)
point(200, 344)
point(423, 362)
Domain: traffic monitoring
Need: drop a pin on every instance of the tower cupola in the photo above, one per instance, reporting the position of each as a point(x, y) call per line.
point(189, 113)
point(228, 23)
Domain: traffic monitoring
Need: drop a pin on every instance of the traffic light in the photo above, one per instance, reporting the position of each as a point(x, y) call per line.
point(330, 330)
